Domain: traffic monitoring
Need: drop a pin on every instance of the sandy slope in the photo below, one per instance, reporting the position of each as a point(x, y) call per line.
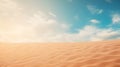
point(91, 54)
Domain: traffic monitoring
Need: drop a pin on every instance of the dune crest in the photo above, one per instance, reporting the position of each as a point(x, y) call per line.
point(90, 54)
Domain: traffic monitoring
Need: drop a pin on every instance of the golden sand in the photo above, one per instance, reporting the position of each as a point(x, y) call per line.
point(90, 54)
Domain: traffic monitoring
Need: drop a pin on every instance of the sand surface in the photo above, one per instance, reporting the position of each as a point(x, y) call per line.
point(90, 54)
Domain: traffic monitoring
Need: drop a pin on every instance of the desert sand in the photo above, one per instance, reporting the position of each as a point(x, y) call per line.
point(84, 54)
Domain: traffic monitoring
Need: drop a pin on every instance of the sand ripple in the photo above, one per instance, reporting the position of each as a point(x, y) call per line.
point(91, 54)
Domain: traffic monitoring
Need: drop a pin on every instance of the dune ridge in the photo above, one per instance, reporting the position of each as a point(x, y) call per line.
point(90, 54)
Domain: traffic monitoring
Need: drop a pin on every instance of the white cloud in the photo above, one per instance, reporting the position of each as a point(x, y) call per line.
point(89, 33)
point(94, 21)
point(18, 25)
point(92, 33)
point(106, 34)
point(116, 18)
point(94, 10)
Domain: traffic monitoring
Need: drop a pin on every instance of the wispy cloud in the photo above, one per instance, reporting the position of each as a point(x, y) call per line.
point(18, 25)
point(95, 21)
point(109, 1)
point(116, 18)
point(52, 14)
point(94, 10)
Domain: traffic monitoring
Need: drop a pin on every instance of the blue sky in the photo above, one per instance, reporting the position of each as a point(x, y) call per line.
point(59, 20)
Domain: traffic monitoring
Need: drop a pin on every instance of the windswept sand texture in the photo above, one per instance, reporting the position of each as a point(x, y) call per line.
point(90, 54)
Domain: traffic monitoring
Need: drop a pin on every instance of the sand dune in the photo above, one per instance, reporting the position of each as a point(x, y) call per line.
point(90, 54)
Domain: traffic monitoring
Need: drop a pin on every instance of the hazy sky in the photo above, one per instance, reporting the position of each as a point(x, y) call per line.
point(59, 20)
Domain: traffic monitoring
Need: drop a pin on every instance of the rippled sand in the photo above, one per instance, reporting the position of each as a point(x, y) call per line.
point(90, 54)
